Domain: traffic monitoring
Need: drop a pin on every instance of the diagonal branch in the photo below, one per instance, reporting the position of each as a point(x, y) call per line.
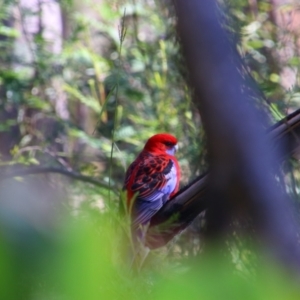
point(190, 201)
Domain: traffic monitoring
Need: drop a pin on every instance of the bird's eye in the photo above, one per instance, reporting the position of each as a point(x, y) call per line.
point(169, 144)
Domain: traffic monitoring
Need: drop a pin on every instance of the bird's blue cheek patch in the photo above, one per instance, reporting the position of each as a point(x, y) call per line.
point(171, 151)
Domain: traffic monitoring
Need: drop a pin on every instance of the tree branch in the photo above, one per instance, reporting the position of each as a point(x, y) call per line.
point(190, 201)
point(21, 170)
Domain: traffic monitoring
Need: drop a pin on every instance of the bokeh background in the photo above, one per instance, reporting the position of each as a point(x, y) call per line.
point(83, 84)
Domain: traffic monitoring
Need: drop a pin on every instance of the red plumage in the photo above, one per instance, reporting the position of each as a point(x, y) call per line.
point(153, 177)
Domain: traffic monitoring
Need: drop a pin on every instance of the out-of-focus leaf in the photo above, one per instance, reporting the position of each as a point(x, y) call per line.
point(255, 44)
point(9, 32)
point(88, 101)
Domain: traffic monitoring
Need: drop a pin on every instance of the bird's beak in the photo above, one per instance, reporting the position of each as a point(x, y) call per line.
point(176, 148)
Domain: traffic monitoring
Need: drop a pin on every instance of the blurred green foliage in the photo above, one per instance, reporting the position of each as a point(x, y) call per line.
point(89, 107)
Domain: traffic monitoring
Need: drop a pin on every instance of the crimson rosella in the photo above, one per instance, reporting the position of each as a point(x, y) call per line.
point(152, 179)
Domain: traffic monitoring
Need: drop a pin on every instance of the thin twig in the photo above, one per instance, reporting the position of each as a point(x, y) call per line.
point(19, 171)
point(122, 33)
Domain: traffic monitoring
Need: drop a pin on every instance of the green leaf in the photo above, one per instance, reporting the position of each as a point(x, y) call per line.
point(9, 32)
point(86, 100)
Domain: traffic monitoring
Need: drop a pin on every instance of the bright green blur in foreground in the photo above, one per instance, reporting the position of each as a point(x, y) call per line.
point(84, 259)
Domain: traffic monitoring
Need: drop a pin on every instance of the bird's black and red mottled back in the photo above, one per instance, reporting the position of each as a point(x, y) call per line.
point(153, 177)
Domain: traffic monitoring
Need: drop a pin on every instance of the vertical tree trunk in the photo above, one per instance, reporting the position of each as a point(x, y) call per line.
point(242, 160)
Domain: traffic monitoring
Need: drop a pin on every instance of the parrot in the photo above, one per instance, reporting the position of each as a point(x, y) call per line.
point(151, 180)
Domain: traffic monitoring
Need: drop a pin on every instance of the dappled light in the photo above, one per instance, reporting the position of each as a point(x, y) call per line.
point(84, 85)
